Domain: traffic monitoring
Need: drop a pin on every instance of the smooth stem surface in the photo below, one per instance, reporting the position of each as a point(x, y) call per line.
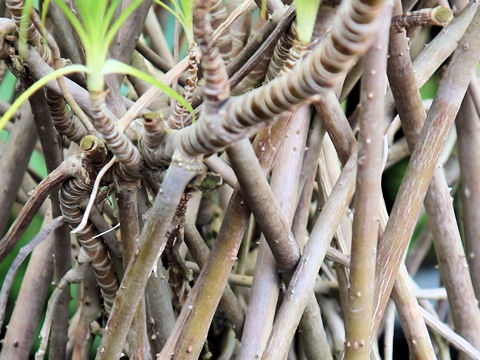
point(277, 232)
point(200, 252)
point(468, 131)
point(266, 285)
point(261, 201)
point(53, 158)
point(422, 164)
point(368, 194)
point(413, 325)
point(307, 182)
point(151, 244)
point(186, 339)
point(303, 280)
point(129, 231)
point(21, 329)
point(14, 161)
point(438, 50)
point(191, 328)
point(338, 129)
point(438, 201)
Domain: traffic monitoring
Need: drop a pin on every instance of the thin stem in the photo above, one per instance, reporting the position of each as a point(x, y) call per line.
point(159, 43)
point(65, 170)
point(22, 255)
point(265, 290)
point(368, 194)
point(469, 149)
point(438, 202)
point(414, 186)
point(262, 202)
point(192, 327)
point(220, 167)
point(14, 161)
point(419, 343)
point(53, 158)
point(303, 280)
point(21, 330)
point(307, 181)
point(72, 276)
point(150, 246)
point(281, 17)
point(200, 252)
point(389, 331)
point(89, 309)
point(454, 339)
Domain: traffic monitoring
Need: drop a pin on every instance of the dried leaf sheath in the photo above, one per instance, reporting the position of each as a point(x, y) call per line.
point(73, 193)
point(423, 160)
point(216, 87)
point(280, 53)
point(351, 35)
point(240, 28)
point(368, 195)
point(439, 16)
point(16, 7)
point(295, 55)
point(218, 14)
point(180, 116)
point(63, 119)
point(154, 134)
point(127, 154)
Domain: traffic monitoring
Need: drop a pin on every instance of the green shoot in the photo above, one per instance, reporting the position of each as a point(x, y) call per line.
point(24, 24)
point(306, 16)
point(37, 86)
point(96, 30)
point(46, 4)
point(183, 12)
point(114, 66)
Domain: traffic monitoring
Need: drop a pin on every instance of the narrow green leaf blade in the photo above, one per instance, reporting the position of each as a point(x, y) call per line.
point(114, 66)
point(75, 23)
point(171, 11)
point(306, 16)
point(36, 86)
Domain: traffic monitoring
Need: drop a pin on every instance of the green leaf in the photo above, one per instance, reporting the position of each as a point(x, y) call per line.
point(177, 7)
point(306, 17)
point(36, 86)
point(46, 4)
point(121, 19)
point(109, 15)
point(114, 66)
point(183, 13)
point(187, 6)
point(24, 24)
point(77, 25)
point(89, 12)
point(177, 15)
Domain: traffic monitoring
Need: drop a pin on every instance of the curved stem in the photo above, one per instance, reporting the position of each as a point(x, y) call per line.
point(65, 170)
